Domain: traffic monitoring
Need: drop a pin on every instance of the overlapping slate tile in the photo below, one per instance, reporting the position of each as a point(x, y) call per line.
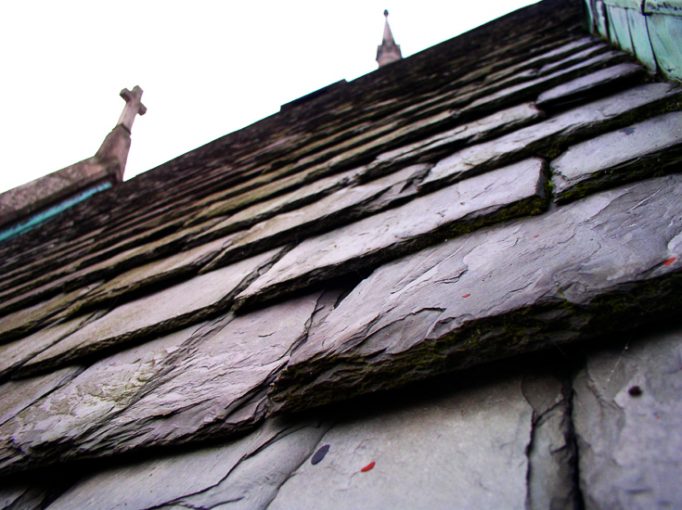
point(292, 200)
point(520, 90)
point(68, 415)
point(108, 261)
point(509, 191)
point(488, 427)
point(272, 185)
point(600, 264)
point(28, 319)
point(442, 143)
point(16, 396)
point(247, 471)
point(340, 207)
point(219, 389)
point(579, 89)
point(168, 309)
point(24, 496)
point(648, 148)
point(14, 354)
point(153, 273)
point(627, 415)
point(556, 131)
point(187, 386)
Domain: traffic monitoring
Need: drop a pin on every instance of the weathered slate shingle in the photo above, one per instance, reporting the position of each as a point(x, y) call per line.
point(323, 306)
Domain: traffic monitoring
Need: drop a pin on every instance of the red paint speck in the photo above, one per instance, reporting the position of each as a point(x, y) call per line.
point(669, 262)
point(368, 467)
point(466, 295)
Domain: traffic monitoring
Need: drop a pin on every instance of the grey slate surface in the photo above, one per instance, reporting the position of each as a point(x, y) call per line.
point(628, 412)
point(522, 286)
point(450, 240)
point(644, 149)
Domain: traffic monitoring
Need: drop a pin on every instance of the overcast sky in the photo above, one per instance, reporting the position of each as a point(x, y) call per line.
point(207, 67)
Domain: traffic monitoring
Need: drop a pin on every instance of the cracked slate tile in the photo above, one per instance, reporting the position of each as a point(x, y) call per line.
point(467, 444)
point(245, 471)
point(555, 131)
point(509, 191)
point(462, 450)
point(579, 88)
point(523, 286)
point(340, 207)
point(185, 387)
point(645, 149)
point(168, 309)
point(552, 456)
point(628, 421)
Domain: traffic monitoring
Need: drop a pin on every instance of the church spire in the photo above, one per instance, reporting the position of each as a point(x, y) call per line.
point(388, 51)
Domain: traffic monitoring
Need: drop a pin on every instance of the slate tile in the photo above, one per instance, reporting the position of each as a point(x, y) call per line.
point(560, 129)
point(16, 396)
point(524, 90)
point(155, 272)
point(580, 88)
point(66, 416)
point(188, 386)
point(458, 443)
point(292, 200)
point(514, 190)
point(168, 309)
point(100, 262)
point(26, 320)
point(628, 418)
point(16, 353)
point(440, 144)
point(271, 185)
point(528, 285)
point(252, 467)
point(580, 56)
point(444, 453)
point(219, 388)
point(338, 208)
point(23, 496)
point(644, 149)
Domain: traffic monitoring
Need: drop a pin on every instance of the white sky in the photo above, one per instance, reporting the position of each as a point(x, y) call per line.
point(207, 67)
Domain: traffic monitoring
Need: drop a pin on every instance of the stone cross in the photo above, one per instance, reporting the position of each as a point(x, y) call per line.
point(133, 107)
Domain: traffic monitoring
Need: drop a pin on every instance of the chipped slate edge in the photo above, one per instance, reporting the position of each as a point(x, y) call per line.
point(530, 206)
point(549, 323)
point(115, 343)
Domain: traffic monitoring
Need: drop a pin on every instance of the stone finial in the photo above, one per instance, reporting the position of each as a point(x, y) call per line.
point(388, 51)
point(113, 153)
point(133, 107)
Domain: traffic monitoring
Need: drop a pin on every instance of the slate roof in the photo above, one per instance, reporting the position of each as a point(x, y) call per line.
point(509, 191)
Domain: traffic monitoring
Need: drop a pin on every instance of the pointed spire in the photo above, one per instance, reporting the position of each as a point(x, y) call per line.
point(388, 51)
point(114, 150)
